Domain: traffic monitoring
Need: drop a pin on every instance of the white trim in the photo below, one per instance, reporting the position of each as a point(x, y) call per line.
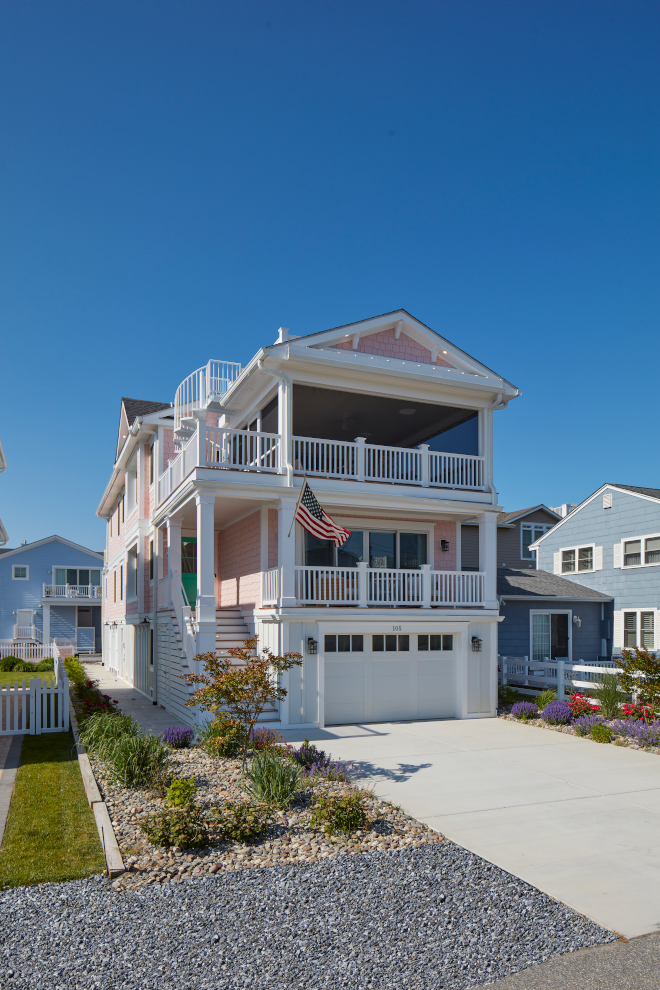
point(552, 611)
point(49, 539)
point(603, 488)
point(25, 577)
point(533, 525)
point(619, 626)
point(576, 549)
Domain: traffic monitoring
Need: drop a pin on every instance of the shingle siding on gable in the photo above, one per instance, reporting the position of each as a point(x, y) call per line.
point(629, 516)
point(385, 344)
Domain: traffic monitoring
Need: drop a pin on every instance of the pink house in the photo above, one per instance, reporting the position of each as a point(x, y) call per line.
point(391, 424)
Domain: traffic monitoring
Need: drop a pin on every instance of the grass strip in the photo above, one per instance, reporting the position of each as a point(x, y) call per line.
point(9, 677)
point(51, 832)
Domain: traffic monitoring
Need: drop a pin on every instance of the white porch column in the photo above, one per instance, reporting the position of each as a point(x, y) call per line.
point(286, 552)
point(285, 427)
point(46, 630)
point(174, 546)
point(488, 555)
point(205, 610)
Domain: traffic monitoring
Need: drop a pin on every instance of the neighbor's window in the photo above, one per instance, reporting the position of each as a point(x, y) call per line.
point(632, 553)
point(577, 559)
point(20, 572)
point(645, 622)
point(75, 577)
point(652, 550)
point(530, 533)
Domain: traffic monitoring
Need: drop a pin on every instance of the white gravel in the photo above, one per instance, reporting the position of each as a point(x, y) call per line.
point(433, 917)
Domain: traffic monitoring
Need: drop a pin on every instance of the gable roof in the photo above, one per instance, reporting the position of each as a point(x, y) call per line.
point(50, 539)
point(649, 493)
point(513, 582)
point(129, 412)
point(519, 513)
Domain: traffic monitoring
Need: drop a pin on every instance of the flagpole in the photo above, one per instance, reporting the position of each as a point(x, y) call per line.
point(302, 489)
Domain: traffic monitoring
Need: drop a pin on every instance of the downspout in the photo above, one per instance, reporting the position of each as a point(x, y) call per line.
point(286, 381)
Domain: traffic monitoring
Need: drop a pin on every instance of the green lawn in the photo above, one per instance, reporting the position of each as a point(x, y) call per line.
point(12, 677)
point(51, 832)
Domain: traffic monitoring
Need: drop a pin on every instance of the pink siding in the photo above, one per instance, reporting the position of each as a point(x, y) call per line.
point(169, 450)
point(385, 344)
point(445, 560)
point(272, 538)
point(239, 562)
point(112, 609)
point(132, 607)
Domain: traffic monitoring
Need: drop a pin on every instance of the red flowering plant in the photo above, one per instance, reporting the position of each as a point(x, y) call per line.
point(580, 705)
point(103, 703)
point(639, 712)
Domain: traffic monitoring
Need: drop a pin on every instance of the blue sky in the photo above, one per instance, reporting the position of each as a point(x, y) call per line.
point(179, 179)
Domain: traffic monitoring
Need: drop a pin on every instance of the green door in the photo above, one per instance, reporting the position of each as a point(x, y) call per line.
point(189, 568)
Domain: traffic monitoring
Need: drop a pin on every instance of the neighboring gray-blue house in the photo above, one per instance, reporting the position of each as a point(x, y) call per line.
point(611, 544)
point(51, 591)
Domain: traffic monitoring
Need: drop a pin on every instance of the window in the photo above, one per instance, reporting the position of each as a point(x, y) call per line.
point(390, 644)
point(390, 550)
point(642, 621)
point(131, 484)
point(343, 643)
point(151, 560)
point(632, 553)
point(382, 550)
point(115, 582)
point(151, 465)
point(577, 559)
point(121, 583)
point(530, 533)
point(435, 641)
point(78, 577)
point(132, 573)
point(641, 550)
point(20, 572)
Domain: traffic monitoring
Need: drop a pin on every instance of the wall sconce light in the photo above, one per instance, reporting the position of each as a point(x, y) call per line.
point(145, 621)
point(577, 621)
point(444, 545)
point(312, 646)
point(476, 644)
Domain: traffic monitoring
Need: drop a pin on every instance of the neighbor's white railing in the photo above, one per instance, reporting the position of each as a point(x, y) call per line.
point(34, 707)
point(72, 591)
point(206, 383)
point(530, 677)
point(458, 587)
point(270, 586)
point(243, 449)
point(28, 632)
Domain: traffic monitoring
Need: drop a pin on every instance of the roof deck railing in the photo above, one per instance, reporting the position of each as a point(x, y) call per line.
point(202, 386)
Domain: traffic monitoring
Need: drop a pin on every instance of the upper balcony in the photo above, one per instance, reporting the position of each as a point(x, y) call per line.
point(89, 592)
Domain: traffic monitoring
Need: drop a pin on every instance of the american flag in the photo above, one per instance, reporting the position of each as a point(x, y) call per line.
point(311, 517)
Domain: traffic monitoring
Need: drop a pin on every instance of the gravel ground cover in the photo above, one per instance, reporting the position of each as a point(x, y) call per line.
point(570, 731)
point(432, 917)
point(289, 839)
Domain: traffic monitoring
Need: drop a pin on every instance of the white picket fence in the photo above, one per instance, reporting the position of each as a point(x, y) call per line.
point(37, 706)
point(531, 677)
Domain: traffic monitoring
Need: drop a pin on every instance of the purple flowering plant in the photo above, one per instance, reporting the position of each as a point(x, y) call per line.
point(177, 737)
point(524, 710)
point(557, 713)
point(317, 763)
point(585, 723)
point(643, 734)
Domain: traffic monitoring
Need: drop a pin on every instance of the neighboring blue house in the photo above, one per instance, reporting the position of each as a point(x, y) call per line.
point(611, 544)
point(51, 591)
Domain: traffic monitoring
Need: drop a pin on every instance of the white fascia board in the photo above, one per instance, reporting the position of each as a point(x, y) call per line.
point(49, 539)
point(552, 598)
point(116, 483)
point(3, 535)
point(3, 462)
point(571, 515)
point(526, 512)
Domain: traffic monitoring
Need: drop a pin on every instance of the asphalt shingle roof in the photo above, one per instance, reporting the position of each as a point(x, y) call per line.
point(506, 516)
point(141, 407)
point(517, 582)
point(651, 492)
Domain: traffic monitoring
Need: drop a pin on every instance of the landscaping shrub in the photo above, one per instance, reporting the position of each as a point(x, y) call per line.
point(272, 781)
point(220, 737)
point(241, 822)
point(601, 733)
point(506, 695)
point(177, 737)
point(317, 763)
point(640, 674)
point(46, 664)
point(585, 723)
point(139, 761)
point(557, 713)
point(640, 712)
point(269, 739)
point(644, 735)
point(184, 827)
point(580, 705)
point(7, 663)
point(97, 704)
point(101, 732)
point(340, 813)
point(76, 672)
point(23, 667)
point(182, 791)
point(524, 710)
point(543, 699)
point(609, 695)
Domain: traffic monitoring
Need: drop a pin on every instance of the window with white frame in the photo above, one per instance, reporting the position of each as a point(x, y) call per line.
point(576, 559)
point(641, 551)
point(20, 572)
point(132, 573)
point(530, 533)
point(390, 549)
point(131, 484)
point(639, 628)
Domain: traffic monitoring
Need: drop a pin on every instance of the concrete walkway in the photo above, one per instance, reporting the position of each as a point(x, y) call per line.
point(579, 820)
point(10, 754)
point(151, 717)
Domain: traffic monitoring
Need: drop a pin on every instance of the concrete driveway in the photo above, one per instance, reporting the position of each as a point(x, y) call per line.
point(578, 820)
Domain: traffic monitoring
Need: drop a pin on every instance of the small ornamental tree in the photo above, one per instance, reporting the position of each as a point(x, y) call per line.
point(640, 675)
point(240, 685)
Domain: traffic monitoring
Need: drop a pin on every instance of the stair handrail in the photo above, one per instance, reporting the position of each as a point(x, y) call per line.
point(183, 614)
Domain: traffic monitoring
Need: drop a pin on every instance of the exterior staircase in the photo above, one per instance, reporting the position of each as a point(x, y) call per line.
point(230, 629)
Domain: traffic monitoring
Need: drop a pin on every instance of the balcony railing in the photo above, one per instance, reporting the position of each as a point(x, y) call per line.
point(28, 632)
point(244, 450)
point(362, 586)
point(205, 384)
point(72, 591)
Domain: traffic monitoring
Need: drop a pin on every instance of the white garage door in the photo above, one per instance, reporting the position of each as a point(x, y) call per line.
point(374, 678)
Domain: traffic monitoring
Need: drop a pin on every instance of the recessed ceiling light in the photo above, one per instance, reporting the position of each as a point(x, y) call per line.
point(444, 352)
point(406, 412)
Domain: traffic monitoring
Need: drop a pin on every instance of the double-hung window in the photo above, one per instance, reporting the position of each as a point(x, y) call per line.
point(530, 533)
point(639, 629)
point(577, 559)
point(641, 550)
